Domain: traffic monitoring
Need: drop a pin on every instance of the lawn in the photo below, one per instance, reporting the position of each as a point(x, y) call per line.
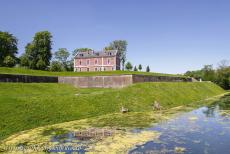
point(25, 106)
point(7, 70)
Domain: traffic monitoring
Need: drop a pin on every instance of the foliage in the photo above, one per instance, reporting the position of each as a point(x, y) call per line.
point(135, 69)
point(195, 74)
point(56, 66)
point(140, 67)
point(147, 69)
point(208, 73)
point(62, 55)
point(38, 53)
point(121, 47)
point(221, 75)
point(24, 60)
point(26, 106)
point(128, 66)
point(8, 49)
point(9, 61)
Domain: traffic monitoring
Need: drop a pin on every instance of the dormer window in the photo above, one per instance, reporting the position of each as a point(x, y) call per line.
point(110, 53)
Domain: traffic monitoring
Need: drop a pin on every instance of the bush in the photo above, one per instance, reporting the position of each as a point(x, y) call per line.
point(56, 66)
point(9, 61)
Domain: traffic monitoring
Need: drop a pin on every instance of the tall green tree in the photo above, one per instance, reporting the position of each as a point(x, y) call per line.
point(62, 55)
point(135, 69)
point(140, 67)
point(38, 52)
point(208, 73)
point(128, 66)
point(8, 49)
point(147, 69)
point(121, 47)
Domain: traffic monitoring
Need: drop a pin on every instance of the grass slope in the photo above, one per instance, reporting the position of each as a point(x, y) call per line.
point(24, 106)
point(7, 70)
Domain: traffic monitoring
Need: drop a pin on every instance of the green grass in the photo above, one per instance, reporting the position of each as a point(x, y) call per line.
point(25, 106)
point(7, 70)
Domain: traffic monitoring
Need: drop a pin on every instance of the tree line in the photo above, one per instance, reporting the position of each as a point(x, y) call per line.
point(220, 75)
point(130, 67)
point(38, 53)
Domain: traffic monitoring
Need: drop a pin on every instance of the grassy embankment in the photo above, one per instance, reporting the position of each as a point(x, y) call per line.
point(26, 106)
point(7, 70)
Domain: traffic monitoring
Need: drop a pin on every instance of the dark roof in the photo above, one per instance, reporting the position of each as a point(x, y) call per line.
point(90, 54)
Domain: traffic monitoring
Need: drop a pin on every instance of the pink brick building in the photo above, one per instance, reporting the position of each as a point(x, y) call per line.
point(96, 61)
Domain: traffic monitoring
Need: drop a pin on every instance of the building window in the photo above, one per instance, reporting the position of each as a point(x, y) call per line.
point(79, 69)
point(87, 62)
point(95, 69)
point(80, 62)
point(108, 61)
point(88, 69)
point(96, 61)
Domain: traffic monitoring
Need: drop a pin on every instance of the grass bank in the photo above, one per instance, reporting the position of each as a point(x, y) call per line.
point(7, 70)
point(26, 106)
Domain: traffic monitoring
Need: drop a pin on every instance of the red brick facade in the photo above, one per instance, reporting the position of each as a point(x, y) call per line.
point(96, 61)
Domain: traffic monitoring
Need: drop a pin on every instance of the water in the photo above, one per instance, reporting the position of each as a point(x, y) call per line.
point(204, 130)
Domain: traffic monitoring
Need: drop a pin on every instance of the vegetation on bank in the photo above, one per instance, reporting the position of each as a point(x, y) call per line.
point(7, 70)
point(25, 106)
point(220, 75)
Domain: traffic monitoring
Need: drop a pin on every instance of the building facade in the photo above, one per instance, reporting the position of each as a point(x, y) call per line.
point(96, 61)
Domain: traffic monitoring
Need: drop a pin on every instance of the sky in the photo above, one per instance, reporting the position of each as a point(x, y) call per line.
point(171, 36)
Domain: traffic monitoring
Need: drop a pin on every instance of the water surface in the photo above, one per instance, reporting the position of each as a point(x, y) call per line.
point(205, 130)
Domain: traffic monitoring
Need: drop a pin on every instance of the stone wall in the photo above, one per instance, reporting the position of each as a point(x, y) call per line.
point(112, 81)
point(27, 78)
point(150, 78)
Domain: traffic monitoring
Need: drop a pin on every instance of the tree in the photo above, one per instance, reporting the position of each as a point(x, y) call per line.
point(128, 66)
point(9, 61)
point(121, 47)
point(62, 55)
point(8, 48)
point(56, 66)
point(223, 74)
point(147, 69)
point(140, 67)
point(38, 52)
point(24, 60)
point(220, 76)
point(135, 69)
point(223, 77)
point(208, 73)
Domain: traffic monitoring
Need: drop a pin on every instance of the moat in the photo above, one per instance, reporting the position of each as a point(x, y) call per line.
point(205, 130)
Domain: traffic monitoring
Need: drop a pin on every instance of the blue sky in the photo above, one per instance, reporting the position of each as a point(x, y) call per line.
point(171, 36)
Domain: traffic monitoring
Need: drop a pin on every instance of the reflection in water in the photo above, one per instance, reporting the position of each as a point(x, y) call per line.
point(204, 130)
